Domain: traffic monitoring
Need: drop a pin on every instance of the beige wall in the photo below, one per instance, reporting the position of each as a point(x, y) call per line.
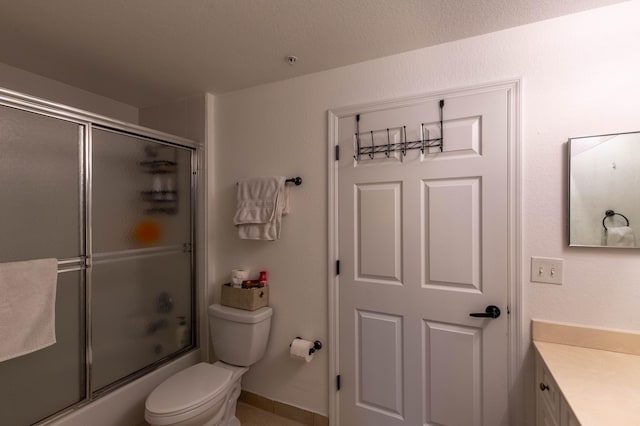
point(580, 77)
point(28, 83)
point(182, 117)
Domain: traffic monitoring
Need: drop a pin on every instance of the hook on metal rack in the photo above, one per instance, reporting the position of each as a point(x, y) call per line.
point(373, 146)
point(403, 145)
point(403, 150)
point(441, 128)
point(388, 151)
point(357, 156)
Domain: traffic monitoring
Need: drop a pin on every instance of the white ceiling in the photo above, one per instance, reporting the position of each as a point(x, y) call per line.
point(144, 52)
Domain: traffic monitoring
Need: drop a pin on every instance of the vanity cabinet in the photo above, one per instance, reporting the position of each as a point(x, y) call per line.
point(551, 407)
point(567, 418)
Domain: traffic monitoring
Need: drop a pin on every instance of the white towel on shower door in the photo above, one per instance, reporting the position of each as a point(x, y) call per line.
point(27, 306)
point(621, 236)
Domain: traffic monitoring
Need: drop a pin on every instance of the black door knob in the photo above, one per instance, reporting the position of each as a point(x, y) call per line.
point(491, 312)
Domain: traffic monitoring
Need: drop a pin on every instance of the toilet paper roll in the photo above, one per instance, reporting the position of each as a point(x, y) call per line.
point(300, 350)
point(239, 275)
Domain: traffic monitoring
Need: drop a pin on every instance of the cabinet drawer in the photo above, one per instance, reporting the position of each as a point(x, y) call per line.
point(547, 390)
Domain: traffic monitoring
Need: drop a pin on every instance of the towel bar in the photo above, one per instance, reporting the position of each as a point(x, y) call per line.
point(296, 180)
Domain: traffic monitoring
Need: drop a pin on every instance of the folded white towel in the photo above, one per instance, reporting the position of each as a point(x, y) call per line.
point(27, 306)
point(621, 236)
point(261, 203)
point(256, 199)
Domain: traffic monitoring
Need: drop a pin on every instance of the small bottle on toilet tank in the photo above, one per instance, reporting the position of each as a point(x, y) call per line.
point(263, 278)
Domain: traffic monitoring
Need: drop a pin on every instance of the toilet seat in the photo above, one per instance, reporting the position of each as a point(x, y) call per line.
point(188, 394)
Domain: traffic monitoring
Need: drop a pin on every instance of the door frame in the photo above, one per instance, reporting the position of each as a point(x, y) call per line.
point(514, 198)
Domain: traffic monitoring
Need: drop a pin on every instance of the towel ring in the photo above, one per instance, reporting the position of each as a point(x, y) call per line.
point(610, 213)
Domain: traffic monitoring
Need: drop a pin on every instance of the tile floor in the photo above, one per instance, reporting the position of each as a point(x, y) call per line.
point(253, 416)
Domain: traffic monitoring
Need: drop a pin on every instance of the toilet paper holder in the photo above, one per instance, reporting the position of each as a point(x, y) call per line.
point(317, 345)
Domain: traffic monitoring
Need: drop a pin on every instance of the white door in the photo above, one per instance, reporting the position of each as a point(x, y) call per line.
point(423, 242)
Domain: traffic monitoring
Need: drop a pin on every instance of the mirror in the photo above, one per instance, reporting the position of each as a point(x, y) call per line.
point(604, 201)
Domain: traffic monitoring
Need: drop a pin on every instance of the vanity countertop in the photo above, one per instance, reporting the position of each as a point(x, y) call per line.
point(601, 386)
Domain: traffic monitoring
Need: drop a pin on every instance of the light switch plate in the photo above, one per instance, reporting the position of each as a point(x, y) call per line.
point(547, 270)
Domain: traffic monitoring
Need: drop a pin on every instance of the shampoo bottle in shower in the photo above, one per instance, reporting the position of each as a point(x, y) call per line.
point(182, 332)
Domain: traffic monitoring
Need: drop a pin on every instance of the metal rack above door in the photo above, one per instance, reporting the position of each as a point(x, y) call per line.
point(403, 146)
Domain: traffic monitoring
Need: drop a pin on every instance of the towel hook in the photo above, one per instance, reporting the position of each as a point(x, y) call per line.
point(611, 213)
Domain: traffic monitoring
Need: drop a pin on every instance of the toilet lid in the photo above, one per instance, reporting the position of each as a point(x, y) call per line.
point(189, 389)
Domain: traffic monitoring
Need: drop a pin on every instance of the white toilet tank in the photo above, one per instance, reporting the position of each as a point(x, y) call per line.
point(239, 337)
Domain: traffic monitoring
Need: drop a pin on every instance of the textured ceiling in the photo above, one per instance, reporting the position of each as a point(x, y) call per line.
point(144, 52)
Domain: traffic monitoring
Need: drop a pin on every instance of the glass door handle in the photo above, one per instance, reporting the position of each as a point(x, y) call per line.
point(491, 312)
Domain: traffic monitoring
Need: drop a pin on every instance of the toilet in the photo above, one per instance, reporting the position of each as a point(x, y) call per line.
point(206, 394)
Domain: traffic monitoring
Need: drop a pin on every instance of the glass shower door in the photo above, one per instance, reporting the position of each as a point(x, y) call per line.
point(141, 274)
point(41, 199)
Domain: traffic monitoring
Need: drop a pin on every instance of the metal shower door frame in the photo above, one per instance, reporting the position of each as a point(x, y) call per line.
point(86, 122)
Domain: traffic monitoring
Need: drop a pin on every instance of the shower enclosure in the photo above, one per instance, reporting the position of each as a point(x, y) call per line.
point(114, 203)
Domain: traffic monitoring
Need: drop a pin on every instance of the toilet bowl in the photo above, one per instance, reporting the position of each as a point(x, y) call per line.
point(207, 394)
point(195, 396)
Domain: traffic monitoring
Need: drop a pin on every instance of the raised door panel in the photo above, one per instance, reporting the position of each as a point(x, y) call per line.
point(463, 136)
point(379, 363)
point(452, 246)
point(453, 377)
point(378, 231)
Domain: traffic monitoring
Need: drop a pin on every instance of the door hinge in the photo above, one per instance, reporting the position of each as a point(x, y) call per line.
point(338, 382)
point(337, 267)
point(337, 152)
